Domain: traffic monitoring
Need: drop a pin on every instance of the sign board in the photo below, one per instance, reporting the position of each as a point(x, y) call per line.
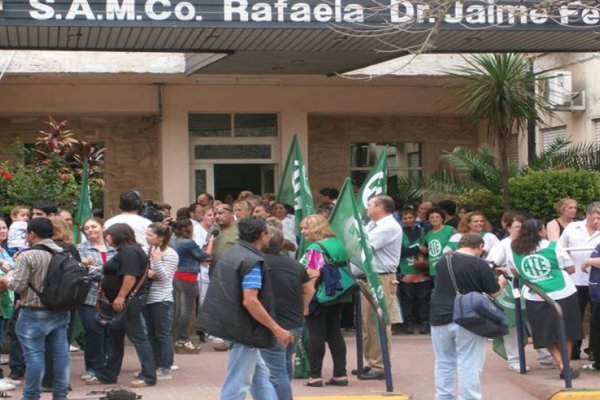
point(358, 14)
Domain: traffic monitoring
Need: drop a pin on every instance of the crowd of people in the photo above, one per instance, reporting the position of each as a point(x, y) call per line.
point(226, 272)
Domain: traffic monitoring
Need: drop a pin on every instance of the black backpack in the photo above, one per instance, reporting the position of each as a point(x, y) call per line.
point(67, 281)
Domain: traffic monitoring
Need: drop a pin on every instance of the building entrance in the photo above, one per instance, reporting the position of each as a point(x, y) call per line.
point(225, 180)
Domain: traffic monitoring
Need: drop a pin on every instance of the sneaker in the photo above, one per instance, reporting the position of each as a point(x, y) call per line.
point(10, 381)
point(574, 374)
point(186, 348)
point(94, 381)
point(139, 383)
point(221, 346)
point(6, 387)
point(517, 367)
point(73, 348)
point(174, 367)
point(589, 368)
point(164, 374)
point(548, 365)
point(87, 375)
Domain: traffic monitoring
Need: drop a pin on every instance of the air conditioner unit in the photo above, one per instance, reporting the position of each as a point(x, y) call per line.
point(558, 89)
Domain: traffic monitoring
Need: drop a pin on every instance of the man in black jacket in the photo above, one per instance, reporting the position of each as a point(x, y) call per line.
point(239, 307)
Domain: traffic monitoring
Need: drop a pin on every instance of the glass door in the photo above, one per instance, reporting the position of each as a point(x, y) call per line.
point(203, 180)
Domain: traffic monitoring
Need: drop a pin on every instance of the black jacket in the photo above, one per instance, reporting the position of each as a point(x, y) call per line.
point(223, 313)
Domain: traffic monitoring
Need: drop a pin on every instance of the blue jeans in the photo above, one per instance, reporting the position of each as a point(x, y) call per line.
point(185, 301)
point(94, 351)
point(115, 345)
point(246, 370)
point(34, 328)
point(159, 321)
point(457, 352)
point(281, 366)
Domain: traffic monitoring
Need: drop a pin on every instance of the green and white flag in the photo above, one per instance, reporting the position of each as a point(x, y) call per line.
point(84, 206)
point(507, 301)
point(294, 189)
point(347, 225)
point(375, 183)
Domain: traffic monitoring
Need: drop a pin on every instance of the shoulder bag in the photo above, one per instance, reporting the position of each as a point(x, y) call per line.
point(336, 282)
point(477, 312)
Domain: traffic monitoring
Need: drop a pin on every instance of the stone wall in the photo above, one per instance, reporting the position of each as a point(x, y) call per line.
point(132, 155)
point(330, 138)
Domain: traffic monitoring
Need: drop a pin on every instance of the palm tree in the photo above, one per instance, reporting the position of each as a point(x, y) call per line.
point(501, 90)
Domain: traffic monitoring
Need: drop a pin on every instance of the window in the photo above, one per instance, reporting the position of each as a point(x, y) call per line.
point(233, 125)
point(549, 136)
point(232, 152)
point(597, 130)
point(404, 161)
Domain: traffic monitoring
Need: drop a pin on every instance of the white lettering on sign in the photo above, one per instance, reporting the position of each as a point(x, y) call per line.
point(473, 13)
point(43, 11)
point(80, 8)
point(120, 11)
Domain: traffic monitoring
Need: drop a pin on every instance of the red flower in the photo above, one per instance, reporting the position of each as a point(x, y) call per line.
point(6, 175)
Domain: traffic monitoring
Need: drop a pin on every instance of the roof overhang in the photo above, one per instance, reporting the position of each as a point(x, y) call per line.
point(297, 37)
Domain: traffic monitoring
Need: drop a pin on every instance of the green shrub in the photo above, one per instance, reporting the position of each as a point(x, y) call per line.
point(486, 202)
point(538, 191)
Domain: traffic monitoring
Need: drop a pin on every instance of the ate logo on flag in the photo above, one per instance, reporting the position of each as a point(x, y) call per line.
point(373, 187)
point(298, 179)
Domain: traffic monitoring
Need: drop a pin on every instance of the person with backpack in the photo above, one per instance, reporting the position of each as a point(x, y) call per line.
point(37, 325)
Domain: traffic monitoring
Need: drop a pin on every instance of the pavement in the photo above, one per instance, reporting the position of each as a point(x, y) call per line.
point(200, 376)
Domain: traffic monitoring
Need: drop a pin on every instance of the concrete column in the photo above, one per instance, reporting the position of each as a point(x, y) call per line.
point(293, 123)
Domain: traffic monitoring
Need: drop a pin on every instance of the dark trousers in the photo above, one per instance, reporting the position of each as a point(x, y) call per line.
point(16, 362)
point(185, 302)
point(595, 333)
point(415, 301)
point(159, 321)
point(94, 349)
point(322, 328)
point(136, 333)
point(583, 293)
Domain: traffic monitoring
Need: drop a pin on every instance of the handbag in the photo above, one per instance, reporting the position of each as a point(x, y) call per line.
point(336, 282)
point(477, 312)
point(107, 317)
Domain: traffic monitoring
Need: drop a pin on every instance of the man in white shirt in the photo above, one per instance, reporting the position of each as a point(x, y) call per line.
point(385, 238)
point(200, 235)
point(580, 238)
point(130, 203)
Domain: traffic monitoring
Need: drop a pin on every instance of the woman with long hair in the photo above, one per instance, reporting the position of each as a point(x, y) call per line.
point(567, 212)
point(185, 283)
point(95, 253)
point(324, 322)
point(474, 222)
point(546, 265)
point(123, 273)
point(159, 305)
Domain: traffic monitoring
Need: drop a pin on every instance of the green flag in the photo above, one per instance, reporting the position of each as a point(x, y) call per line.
point(294, 189)
point(84, 206)
point(375, 183)
point(507, 301)
point(347, 225)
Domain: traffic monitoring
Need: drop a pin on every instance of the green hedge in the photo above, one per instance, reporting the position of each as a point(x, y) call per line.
point(538, 191)
point(482, 200)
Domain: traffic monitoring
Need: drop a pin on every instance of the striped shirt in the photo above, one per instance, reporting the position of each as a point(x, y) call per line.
point(253, 279)
point(32, 267)
point(162, 281)
point(86, 250)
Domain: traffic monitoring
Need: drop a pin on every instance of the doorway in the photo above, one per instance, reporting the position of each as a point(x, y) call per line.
point(224, 180)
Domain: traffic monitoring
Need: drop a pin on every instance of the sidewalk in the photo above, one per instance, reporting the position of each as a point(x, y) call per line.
point(200, 376)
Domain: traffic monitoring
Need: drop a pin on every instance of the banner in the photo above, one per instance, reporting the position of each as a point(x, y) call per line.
point(347, 225)
point(294, 189)
point(84, 206)
point(375, 183)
